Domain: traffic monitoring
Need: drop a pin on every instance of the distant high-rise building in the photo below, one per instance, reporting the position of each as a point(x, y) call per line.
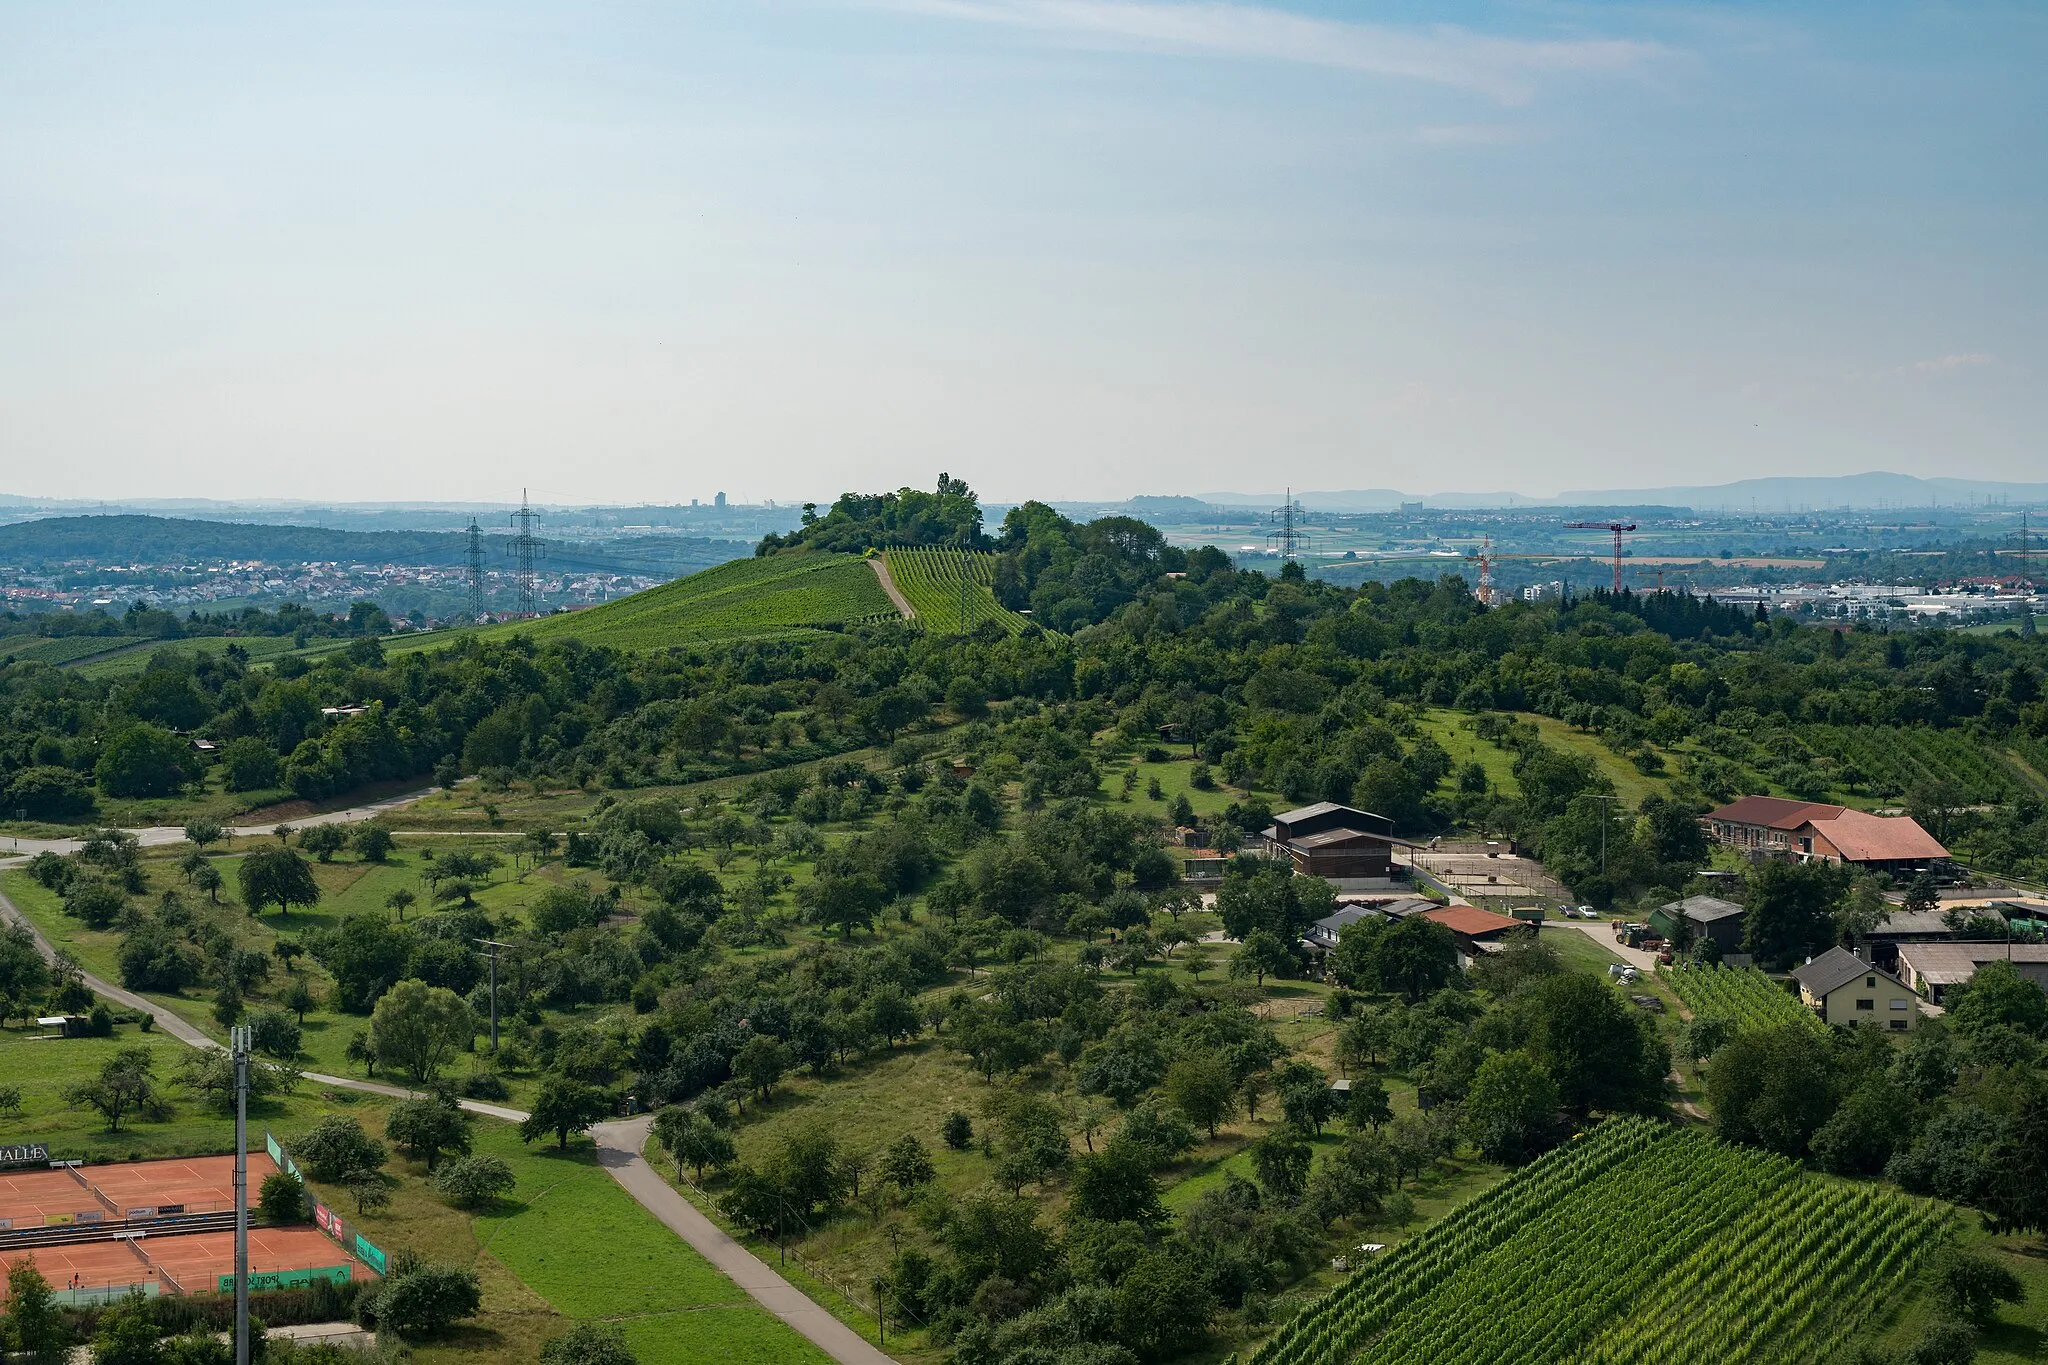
point(719, 501)
point(693, 502)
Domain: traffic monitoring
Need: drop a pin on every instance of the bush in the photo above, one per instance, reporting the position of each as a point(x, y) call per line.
point(958, 1131)
point(274, 1033)
point(485, 1085)
point(282, 1199)
point(336, 1146)
point(418, 1299)
point(249, 764)
point(474, 1181)
point(589, 1343)
point(95, 901)
point(48, 793)
point(1970, 1287)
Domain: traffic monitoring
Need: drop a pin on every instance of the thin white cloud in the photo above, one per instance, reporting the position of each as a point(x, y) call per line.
point(1940, 365)
point(1476, 134)
point(1504, 69)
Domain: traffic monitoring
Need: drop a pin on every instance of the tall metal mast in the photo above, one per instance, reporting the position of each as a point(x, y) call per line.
point(239, 1043)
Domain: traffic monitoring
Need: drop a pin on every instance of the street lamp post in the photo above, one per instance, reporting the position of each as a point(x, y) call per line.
point(239, 1042)
point(491, 950)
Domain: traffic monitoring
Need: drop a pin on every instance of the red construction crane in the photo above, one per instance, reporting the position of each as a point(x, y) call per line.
point(1615, 528)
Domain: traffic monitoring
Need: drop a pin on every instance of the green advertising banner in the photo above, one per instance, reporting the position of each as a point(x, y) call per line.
point(372, 1257)
point(289, 1279)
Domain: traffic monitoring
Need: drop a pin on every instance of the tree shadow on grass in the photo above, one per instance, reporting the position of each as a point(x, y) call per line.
point(2015, 1339)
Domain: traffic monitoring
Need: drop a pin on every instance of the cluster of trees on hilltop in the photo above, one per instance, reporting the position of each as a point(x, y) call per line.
point(949, 518)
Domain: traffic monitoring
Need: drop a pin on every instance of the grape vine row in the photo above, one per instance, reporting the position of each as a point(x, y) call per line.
point(1742, 995)
point(1635, 1242)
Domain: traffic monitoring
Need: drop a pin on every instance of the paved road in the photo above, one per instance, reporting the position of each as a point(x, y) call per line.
point(155, 836)
point(1602, 933)
point(618, 1151)
point(889, 586)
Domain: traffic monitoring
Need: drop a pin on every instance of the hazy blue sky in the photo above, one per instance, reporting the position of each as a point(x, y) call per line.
point(1065, 248)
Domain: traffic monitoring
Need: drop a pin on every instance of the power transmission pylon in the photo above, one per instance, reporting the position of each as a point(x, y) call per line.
point(1288, 542)
point(527, 547)
point(473, 561)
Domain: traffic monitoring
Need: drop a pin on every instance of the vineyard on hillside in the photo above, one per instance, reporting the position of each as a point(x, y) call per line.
point(934, 581)
point(1894, 760)
point(1635, 1242)
point(1742, 995)
point(747, 597)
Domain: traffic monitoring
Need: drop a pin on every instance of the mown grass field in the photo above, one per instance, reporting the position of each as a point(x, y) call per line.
point(777, 594)
point(44, 1067)
point(571, 1245)
point(937, 582)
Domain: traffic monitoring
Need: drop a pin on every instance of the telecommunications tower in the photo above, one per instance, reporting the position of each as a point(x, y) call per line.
point(473, 561)
point(527, 547)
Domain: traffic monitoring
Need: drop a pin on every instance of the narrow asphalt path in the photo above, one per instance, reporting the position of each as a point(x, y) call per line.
point(889, 586)
point(156, 836)
point(618, 1144)
point(618, 1151)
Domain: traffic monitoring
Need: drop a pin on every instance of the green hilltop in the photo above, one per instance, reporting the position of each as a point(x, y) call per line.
point(773, 595)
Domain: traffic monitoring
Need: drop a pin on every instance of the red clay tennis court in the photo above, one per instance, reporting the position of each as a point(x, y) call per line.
point(192, 1263)
point(32, 1198)
point(133, 1189)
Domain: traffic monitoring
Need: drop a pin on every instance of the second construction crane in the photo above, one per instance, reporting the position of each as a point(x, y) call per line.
point(1615, 528)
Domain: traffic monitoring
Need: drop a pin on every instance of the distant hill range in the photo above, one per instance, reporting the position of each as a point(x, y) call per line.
point(124, 540)
point(1783, 493)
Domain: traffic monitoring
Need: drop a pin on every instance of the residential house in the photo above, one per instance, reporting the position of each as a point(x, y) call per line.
point(1844, 989)
point(1322, 935)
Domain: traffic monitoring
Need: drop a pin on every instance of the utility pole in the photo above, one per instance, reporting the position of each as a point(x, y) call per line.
point(239, 1043)
point(473, 561)
point(1606, 805)
point(491, 949)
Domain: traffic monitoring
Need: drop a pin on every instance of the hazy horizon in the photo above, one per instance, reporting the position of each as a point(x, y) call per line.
point(1069, 248)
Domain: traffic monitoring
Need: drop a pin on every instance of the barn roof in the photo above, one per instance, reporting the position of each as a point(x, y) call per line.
point(1471, 921)
point(1774, 812)
point(1865, 838)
